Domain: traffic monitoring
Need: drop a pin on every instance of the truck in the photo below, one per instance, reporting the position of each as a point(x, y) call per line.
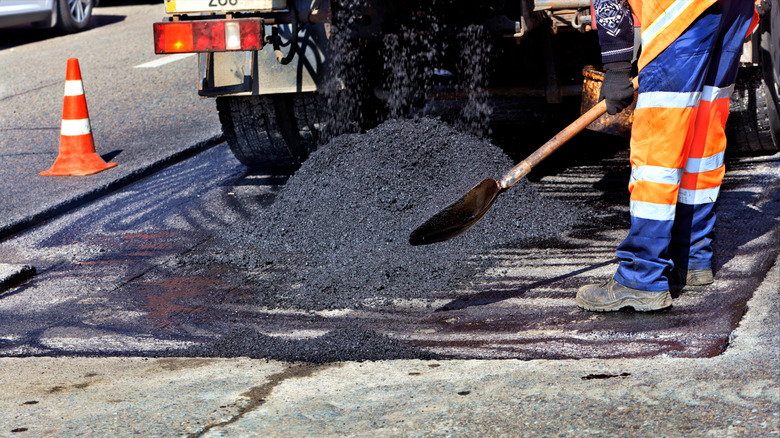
point(288, 74)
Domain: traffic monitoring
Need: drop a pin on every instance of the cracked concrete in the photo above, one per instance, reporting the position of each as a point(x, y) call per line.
point(256, 396)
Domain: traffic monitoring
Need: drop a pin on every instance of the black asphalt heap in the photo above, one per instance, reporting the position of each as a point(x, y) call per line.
point(337, 234)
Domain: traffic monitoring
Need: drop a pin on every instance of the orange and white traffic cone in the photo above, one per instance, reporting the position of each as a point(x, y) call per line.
point(77, 154)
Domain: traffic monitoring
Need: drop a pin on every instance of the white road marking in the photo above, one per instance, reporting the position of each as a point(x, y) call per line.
point(165, 60)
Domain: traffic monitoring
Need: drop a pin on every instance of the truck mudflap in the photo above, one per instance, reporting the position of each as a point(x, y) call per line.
point(249, 47)
point(261, 72)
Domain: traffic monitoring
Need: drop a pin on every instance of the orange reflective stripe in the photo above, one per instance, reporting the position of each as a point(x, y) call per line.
point(703, 180)
point(661, 136)
point(753, 23)
point(663, 21)
point(710, 129)
point(656, 193)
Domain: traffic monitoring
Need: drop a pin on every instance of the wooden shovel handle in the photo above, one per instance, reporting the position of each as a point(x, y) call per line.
point(522, 168)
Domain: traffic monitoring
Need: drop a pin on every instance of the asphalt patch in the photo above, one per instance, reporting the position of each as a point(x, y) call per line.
point(354, 343)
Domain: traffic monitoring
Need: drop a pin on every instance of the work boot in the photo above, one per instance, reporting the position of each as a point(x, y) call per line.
point(612, 296)
point(690, 277)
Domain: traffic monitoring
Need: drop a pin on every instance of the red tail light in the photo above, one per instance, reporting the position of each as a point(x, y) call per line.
point(208, 36)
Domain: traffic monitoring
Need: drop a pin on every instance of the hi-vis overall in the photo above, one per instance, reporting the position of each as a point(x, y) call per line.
point(688, 66)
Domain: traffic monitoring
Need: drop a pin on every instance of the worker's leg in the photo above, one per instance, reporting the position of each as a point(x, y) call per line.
point(670, 88)
point(691, 246)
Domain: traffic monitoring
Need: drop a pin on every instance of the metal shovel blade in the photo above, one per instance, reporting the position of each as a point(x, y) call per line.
point(465, 212)
point(459, 216)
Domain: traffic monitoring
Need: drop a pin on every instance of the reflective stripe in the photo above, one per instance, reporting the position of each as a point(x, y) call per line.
point(74, 88)
point(648, 210)
point(711, 94)
point(668, 99)
point(75, 127)
point(697, 197)
point(664, 20)
point(658, 174)
point(617, 52)
point(706, 164)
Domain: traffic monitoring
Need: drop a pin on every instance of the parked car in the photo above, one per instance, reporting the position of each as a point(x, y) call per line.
point(65, 15)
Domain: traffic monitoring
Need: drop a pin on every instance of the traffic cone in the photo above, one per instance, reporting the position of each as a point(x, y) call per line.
point(77, 154)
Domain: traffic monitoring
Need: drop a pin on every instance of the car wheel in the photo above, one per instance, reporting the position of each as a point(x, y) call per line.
point(74, 15)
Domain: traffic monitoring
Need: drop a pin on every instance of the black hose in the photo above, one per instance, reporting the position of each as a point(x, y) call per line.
point(293, 43)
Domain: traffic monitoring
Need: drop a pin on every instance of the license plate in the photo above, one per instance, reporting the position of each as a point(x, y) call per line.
point(181, 6)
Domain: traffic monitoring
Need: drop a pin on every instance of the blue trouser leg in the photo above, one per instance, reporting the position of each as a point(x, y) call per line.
point(698, 62)
point(691, 245)
point(692, 234)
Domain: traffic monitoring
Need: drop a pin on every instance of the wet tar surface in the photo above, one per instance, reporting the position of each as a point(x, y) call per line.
point(204, 259)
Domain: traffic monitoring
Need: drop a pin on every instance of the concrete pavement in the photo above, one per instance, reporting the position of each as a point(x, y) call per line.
point(734, 394)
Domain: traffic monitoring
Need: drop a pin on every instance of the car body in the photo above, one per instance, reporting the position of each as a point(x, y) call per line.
point(65, 15)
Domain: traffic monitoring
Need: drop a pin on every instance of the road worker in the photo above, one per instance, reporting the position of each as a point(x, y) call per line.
point(689, 56)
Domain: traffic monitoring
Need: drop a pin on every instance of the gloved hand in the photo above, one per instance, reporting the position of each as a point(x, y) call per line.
point(617, 87)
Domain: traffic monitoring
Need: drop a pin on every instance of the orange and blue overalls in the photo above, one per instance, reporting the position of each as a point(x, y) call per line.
point(690, 53)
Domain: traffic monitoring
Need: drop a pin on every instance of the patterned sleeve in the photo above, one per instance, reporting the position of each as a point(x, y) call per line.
point(616, 30)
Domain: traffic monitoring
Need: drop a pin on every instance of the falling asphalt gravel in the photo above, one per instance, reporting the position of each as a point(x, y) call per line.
point(336, 235)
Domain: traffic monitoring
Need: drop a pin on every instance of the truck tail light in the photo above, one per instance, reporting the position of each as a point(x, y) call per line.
point(208, 36)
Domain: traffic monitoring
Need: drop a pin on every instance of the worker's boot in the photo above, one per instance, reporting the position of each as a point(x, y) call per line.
point(612, 296)
point(691, 277)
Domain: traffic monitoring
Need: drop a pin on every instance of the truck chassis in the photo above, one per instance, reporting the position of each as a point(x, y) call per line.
point(287, 74)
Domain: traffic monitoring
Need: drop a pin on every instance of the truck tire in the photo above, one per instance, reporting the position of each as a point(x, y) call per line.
point(748, 129)
point(272, 134)
point(753, 127)
point(770, 67)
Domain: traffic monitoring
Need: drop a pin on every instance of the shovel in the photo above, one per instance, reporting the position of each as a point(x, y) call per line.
point(466, 211)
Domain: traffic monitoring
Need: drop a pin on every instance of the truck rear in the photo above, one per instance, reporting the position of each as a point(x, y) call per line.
point(279, 69)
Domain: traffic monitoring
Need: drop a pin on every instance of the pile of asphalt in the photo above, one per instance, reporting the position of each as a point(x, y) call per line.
point(336, 236)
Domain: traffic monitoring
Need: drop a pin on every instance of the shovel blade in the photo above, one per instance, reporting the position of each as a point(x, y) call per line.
point(459, 216)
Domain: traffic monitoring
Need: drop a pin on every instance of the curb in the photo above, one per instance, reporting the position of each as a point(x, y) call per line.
point(12, 275)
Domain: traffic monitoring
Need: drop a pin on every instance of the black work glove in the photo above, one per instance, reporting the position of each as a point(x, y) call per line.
point(617, 87)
